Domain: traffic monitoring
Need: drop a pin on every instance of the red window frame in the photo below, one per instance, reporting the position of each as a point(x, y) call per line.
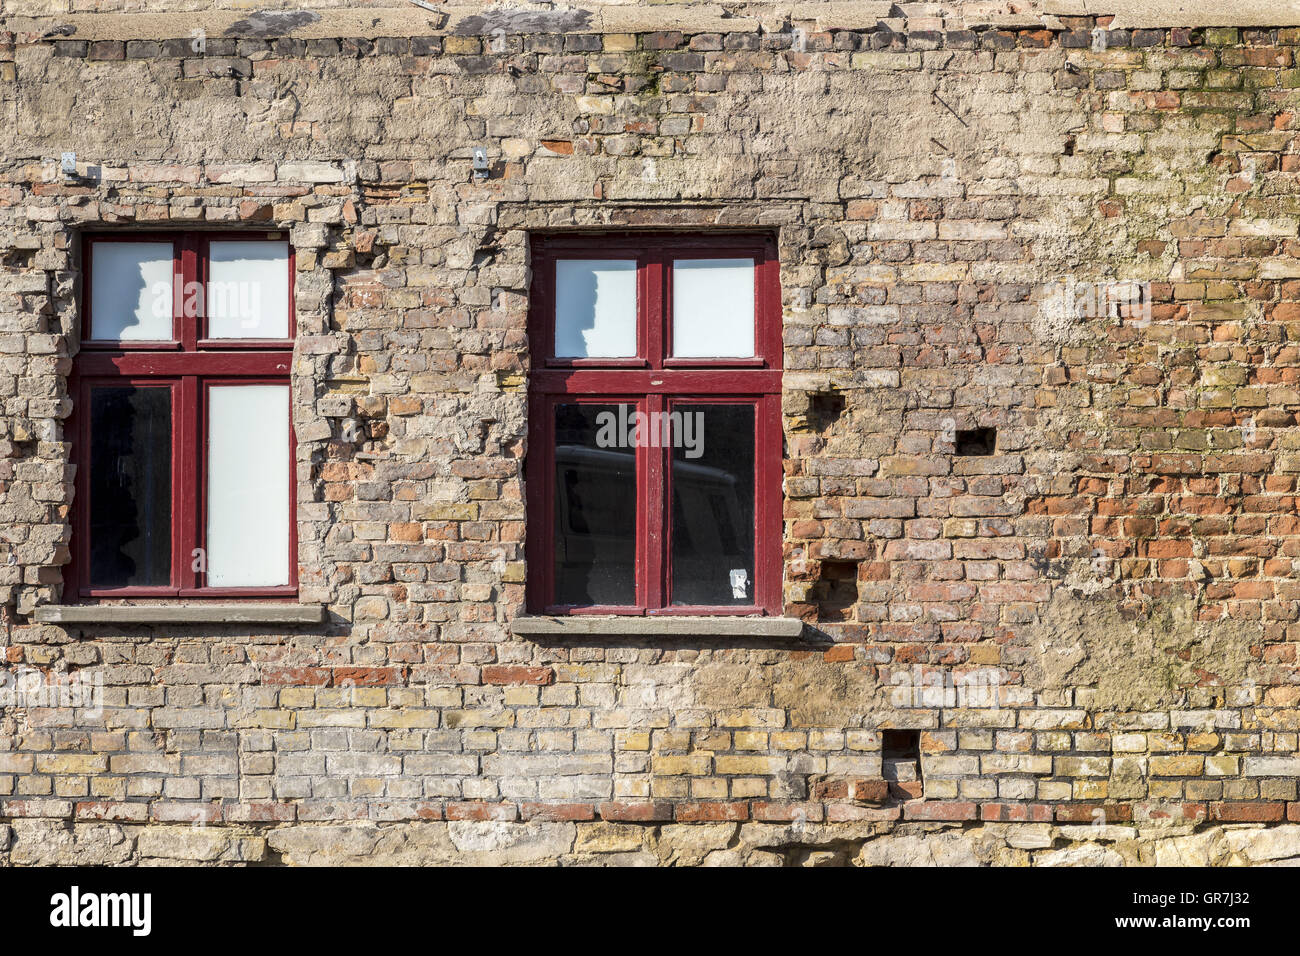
point(188, 363)
point(654, 381)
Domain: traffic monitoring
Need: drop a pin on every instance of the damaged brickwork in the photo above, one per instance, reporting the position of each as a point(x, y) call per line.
point(1058, 544)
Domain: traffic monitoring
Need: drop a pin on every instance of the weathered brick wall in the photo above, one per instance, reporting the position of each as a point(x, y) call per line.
point(1116, 580)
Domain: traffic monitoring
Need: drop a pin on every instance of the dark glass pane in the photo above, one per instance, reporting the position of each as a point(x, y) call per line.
point(713, 504)
point(130, 487)
point(595, 504)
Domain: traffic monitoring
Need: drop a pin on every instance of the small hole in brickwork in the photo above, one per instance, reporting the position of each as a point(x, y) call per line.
point(976, 441)
point(900, 763)
point(901, 744)
point(20, 258)
point(824, 410)
point(836, 590)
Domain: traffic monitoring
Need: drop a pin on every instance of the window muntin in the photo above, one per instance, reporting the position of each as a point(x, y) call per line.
point(640, 520)
point(164, 488)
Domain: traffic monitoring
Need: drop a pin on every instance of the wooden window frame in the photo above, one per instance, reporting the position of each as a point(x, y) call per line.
point(653, 381)
point(189, 363)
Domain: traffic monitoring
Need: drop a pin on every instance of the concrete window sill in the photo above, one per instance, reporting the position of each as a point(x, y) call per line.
point(179, 613)
point(583, 625)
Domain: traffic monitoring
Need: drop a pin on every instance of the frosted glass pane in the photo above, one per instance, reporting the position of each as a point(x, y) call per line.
point(713, 308)
point(595, 308)
point(248, 485)
point(248, 290)
point(131, 291)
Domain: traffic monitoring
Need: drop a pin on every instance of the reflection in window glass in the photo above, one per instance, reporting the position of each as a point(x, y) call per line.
point(713, 308)
point(595, 505)
point(713, 504)
point(248, 290)
point(131, 291)
point(595, 308)
point(130, 487)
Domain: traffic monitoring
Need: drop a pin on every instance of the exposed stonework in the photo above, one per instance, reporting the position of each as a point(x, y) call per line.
point(488, 843)
point(1096, 623)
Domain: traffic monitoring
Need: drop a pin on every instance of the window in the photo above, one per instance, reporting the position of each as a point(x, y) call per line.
point(181, 432)
point(654, 464)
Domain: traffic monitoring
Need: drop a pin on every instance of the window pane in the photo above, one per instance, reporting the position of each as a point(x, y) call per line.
point(131, 291)
point(713, 308)
point(248, 290)
point(713, 504)
point(130, 487)
point(248, 485)
point(595, 504)
point(595, 308)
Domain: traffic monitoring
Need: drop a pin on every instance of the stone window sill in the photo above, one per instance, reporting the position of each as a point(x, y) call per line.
point(583, 625)
point(179, 613)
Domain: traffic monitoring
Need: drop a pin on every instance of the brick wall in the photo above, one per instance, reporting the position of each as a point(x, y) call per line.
point(1092, 624)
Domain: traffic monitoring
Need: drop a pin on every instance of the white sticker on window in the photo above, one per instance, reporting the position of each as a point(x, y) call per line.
point(739, 582)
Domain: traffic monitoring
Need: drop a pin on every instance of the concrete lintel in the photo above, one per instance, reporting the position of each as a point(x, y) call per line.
point(373, 22)
point(194, 613)
point(1154, 14)
point(843, 16)
point(396, 19)
point(627, 626)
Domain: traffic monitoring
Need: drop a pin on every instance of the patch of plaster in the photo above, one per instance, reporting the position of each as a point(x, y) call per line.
point(1141, 662)
point(271, 23)
point(524, 21)
point(817, 694)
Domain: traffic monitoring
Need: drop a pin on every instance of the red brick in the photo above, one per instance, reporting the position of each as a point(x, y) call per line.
point(1087, 812)
point(368, 676)
point(649, 811)
point(777, 812)
point(516, 674)
point(473, 810)
point(557, 811)
point(1247, 812)
point(710, 812)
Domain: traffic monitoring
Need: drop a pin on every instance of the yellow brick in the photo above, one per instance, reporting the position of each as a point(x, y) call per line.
point(1181, 765)
point(709, 789)
point(620, 42)
point(730, 764)
point(690, 764)
point(632, 740)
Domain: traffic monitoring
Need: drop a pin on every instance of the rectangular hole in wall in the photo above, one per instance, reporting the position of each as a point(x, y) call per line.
point(836, 591)
point(900, 752)
point(976, 441)
point(824, 410)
